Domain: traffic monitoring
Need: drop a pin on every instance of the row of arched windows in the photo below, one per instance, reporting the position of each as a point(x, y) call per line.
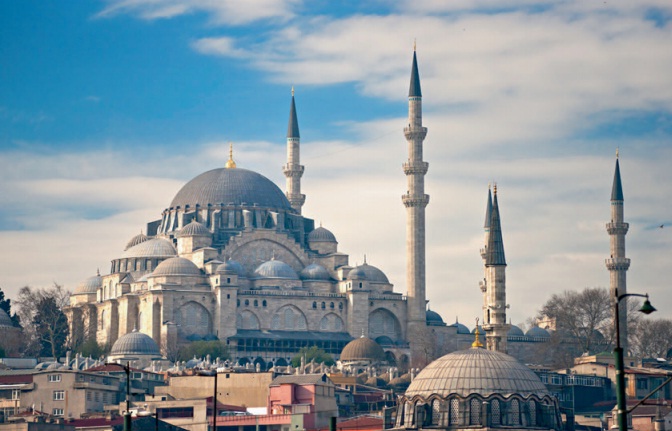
point(475, 411)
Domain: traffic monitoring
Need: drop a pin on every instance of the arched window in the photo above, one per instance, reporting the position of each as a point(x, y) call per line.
point(102, 320)
point(331, 305)
point(247, 302)
point(340, 305)
point(263, 303)
point(314, 304)
point(515, 412)
point(454, 411)
point(495, 412)
point(436, 412)
point(533, 412)
point(323, 305)
point(408, 414)
point(256, 303)
point(475, 411)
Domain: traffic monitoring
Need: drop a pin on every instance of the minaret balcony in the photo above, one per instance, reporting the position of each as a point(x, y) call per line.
point(293, 170)
point(415, 200)
point(617, 263)
point(415, 168)
point(415, 133)
point(617, 228)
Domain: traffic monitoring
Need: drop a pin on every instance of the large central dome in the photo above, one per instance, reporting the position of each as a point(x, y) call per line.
point(231, 186)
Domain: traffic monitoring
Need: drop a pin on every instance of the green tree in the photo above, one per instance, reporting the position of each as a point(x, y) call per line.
point(6, 305)
point(91, 348)
point(200, 349)
point(313, 353)
point(46, 329)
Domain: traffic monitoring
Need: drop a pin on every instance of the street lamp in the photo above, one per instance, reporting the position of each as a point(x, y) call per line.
point(646, 308)
point(127, 370)
point(214, 396)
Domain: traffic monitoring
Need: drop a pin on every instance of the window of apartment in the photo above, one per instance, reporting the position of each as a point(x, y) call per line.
point(137, 376)
point(97, 396)
point(89, 395)
point(176, 412)
point(16, 394)
point(642, 384)
point(59, 395)
point(57, 412)
point(54, 377)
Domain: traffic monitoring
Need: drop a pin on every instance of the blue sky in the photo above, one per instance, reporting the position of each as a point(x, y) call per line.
point(108, 107)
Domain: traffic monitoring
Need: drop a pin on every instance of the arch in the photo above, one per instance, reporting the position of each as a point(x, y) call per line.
point(403, 362)
point(260, 361)
point(331, 323)
point(436, 412)
point(281, 362)
point(532, 406)
point(193, 318)
point(495, 412)
point(383, 322)
point(408, 414)
point(243, 361)
point(454, 411)
point(514, 412)
point(138, 324)
point(289, 318)
point(247, 320)
point(390, 358)
point(475, 411)
point(102, 319)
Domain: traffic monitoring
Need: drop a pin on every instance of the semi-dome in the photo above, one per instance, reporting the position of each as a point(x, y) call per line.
point(315, 271)
point(476, 371)
point(194, 229)
point(231, 186)
point(141, 237)
point(275, 269)
point(176, 266)
point(135, 343)
point(90, 285)
point(321, 235)
point(371, 273)
point(5, 320)
point(362, 349)
point(537, 332)
point(433, 318)
point(231, 266)
point(156, 247)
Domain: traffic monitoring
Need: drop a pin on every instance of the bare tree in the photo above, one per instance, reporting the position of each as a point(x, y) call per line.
point(45, 324)
point(652, 338)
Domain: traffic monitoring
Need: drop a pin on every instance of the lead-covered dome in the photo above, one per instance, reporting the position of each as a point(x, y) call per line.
point(321, 235)
point(231, 186)
point(537, 332)
point(156, 247)
point(362, 349)
point(433, 318)
point(90, 285)
point(476, 371)
point(141, 237)
point(231, 266)
point(135, 344)
point(194, 229)
point(315, 271)
point(371, 273)
point(275, 269)
point(176, 266)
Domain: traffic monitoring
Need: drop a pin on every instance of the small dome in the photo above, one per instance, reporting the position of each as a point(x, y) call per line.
point(315, 271)
point(232, 267)
point(176, 266)
point(362, 349)
point(90, 285)
point(5, 320)
point(476, 371)
point(376, 382)
point(461, 328)
point(515, 331)
point(135, 343)
point(357, 274)
point(194, 229)
point(156, 247)
point(537, 332)
point(275, 269)
point(372, 274)
point(140, 238)
point(321, 235)
point(433, 318)
point(480, 330)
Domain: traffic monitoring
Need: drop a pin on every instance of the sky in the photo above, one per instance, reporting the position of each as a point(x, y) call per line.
point(108, 107)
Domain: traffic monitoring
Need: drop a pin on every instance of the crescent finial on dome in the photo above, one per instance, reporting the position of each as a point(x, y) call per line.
point(230, 163)
point(477, 342)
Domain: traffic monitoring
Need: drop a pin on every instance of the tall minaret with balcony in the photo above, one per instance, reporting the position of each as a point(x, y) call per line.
point(495, 326)
point(486, 228)
point(293, 170)
point(415, 200)
point(618, 264)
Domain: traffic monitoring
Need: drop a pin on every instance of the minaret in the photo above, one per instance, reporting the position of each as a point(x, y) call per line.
point(495, 326)
point(415, 200)
point(486, 228)
point(293, 170)
point(618, 264)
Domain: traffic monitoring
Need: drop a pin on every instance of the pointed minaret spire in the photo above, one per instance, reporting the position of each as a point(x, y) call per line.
point(293, 170)
point(618, 264)
point(415, 200)
point(488, 210)
point(494, 289)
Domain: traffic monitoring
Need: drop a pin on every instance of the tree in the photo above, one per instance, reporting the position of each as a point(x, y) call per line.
point(581, 314)
point(6, 305)
point(200, 349)
point(652, 338)
point(91, 348)
point(46, 327)
point(313, 353)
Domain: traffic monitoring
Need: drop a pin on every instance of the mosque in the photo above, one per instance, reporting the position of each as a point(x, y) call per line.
point(233, 258)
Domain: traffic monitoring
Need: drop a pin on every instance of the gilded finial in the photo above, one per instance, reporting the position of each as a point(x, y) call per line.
point(230, 163)
point(292, 91)
point(477, 341)
point(364, 259)
point(494, 189)
point(98, 272)
point(617, 152)
point(489, 185)
point(414, 44)
point(362, 334)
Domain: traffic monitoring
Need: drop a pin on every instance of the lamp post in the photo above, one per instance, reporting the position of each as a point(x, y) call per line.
point(646, 308)
point(214, 397)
